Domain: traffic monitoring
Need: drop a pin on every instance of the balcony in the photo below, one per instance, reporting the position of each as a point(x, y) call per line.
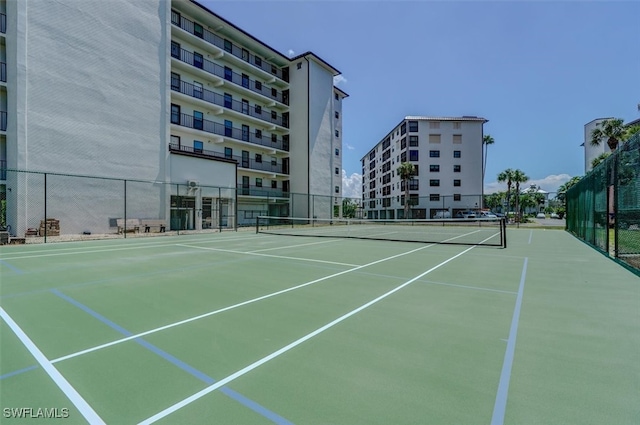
point(265, 192)
point(198, 31)
point(227, 74)
point(251, 164)
point(218, 99)
point(243, 135)
point(3, 120)
point(3, 72)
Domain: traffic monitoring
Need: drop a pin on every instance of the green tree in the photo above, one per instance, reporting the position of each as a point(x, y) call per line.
point(507, 176)
point(494, 200)
point(518, 177)
point(613, 131)
point(349, 208)
point(406, 171)
point(597, 160)
point(630, 131)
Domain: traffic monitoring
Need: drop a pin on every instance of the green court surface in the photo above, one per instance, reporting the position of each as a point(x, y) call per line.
point(245, 328)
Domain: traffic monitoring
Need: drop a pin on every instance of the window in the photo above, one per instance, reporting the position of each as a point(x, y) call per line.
point(457, 125)
point(257, 61)
point(197, 60)
point(175, 114)
point(414, 199)
point(228, 73)
point(274, 115)
point(175, 81)
point(415, 170)
point(228, 153)
point(175, 17)
point(337, 152)
point(197, 90)
point(228, 47)
point(372, 155)
point(257, 109)
point(434, 168)
point(386, 155)
point(403, 157)
point(274, 92)
point(337, 189)
point(245, 55)
point(258, 85)
point(457, 197)
point(372, 204)
point(258, 182)
point(456, 168)
point(337, 114)
point(299, 65)
point(175, 141)
point(245, 81)
point(259, 158)
point(274, 184)
point(457, 154)
point(403, 128)
point(413, 155)
point(228, 128)
point(197, 120)
point(274, 162)
point(274, 138)
point(414, 184)
point(457, 139)
point(197, 146)
point(386, 143)
point(372, 174)
point(228, 100)
point(197, 30)
point(413, 141)
point(434, 197)
point(336, 96)
point(434, 182)
point(245, 106)
point(403, 143)
point(434, 124)
point(434, 138)
point(175, 50)
point(258, 134)
point(413, 126)
point(434, 154)
point(337, 170)
point(337, 133)
point(456, 182)
point(245, 132)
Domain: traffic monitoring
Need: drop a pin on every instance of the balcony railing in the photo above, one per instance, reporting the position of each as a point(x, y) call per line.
point(251, 164)
point(3, 169)
point(3, 121)
point(3, 72)
point(3, 23)
point(218, 99)
point(227, 74)
point(235, 133)
point(200, 32)
point(261, 191)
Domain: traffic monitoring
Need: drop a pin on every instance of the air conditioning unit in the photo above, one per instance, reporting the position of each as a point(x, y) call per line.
point(193, 184)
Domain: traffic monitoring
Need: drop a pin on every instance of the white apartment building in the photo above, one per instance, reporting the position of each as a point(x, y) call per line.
point(161, 91)
point(447, 154)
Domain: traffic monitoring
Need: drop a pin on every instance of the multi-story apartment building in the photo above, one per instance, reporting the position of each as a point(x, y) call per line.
point(447, 156)
point(164, 91)
point(591, 152)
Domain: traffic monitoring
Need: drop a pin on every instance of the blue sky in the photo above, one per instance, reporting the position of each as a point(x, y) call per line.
point(537, 70)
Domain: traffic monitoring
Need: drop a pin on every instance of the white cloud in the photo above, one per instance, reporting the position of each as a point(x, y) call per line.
point(291, 53)
point(339, 79)
point(351, 185)
point(348, 146)
point(550, 183)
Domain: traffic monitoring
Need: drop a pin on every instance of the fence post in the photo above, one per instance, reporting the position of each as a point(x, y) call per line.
point(45, 207)
point(124, 224)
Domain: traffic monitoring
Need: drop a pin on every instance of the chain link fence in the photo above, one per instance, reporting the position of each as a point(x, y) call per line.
point(603, 208)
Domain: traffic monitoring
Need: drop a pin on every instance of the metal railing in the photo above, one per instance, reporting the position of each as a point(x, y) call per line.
point(231, 132)
point(261, 191)
point(220, 100)
point(226, 45)
point(252, 164)
point(228, 75)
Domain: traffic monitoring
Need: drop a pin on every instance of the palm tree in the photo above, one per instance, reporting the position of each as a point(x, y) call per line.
point(486, 141)
point(613, 131)
point(507, 176)
point(597, 160)
point(518, 177)
point(406, 171)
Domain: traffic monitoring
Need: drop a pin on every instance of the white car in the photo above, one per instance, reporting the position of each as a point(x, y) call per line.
point(442, 214)
point(541, 215)
point(488, 214)
point(554, 215)
point(466, 214)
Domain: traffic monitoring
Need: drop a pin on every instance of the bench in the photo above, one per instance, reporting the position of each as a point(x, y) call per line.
point(131, 225)
point(148, 224)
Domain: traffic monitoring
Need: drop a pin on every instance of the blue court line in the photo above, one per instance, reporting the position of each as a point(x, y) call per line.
point(17, 372)
point(11, 266)
point(179, 363)
point(500, 406)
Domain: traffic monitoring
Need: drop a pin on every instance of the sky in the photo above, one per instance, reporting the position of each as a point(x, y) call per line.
point(538, 71)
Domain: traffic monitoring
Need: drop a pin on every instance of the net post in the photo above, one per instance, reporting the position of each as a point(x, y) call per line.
point(257, 224)
point(503, 230)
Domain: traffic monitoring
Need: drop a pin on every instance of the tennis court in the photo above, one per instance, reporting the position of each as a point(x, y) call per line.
point(247, 328)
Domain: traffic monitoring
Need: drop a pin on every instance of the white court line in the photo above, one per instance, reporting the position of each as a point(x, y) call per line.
point(211, 313)
point(81, 404)
point(530, 236)
point(292, 246)
point(78, 251)
point(286, 348)
point(267, 255)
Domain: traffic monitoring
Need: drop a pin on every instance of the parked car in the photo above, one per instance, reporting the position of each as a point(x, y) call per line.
point(442, 214)
point(488, 214)
point(466, 214)
point(541, 215)
point(554, 215)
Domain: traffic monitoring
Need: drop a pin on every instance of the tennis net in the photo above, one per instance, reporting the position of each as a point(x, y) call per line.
point(489, 232)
